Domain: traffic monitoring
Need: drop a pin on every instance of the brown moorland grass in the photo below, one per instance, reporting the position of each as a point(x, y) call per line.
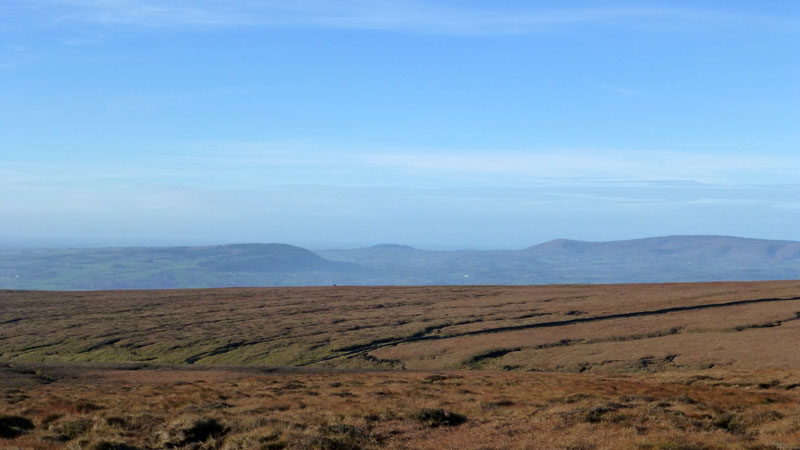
point(173, 407)
point(565, 328)
point(661, 366)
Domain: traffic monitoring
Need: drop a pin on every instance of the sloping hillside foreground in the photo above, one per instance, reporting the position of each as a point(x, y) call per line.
point(671, 366)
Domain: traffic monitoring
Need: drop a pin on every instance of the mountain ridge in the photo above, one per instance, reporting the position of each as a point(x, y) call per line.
point(672, 243)
point(558, 261)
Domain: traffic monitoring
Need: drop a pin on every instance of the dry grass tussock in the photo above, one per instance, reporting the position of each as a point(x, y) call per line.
point(648, 367)
point(239, 409)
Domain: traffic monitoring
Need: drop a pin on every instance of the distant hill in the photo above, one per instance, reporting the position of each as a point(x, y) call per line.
point(265, 258)
point(658, 259)
point(168, 267)
point(673, 258)
point(696, 247)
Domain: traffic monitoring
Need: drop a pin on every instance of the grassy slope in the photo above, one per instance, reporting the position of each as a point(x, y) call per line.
point(81, 407)
point(563, 328)
point(645, 353)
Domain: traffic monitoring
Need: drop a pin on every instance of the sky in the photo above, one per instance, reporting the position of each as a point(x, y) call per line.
point(433, 123)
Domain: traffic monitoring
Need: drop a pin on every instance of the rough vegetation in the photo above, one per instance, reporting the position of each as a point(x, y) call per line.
point(683, 366)
point(571, 328)
point(187, 408)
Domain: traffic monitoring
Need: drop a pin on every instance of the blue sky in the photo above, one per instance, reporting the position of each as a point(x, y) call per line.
point(439, 124)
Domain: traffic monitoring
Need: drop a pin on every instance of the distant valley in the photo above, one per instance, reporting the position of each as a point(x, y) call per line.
point(650, 260)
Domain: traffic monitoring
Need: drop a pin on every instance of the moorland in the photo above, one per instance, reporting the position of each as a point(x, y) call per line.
point(647, 366)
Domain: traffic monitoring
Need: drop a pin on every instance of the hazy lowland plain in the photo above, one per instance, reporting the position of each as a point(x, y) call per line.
point(646, 366)
point(650, 260)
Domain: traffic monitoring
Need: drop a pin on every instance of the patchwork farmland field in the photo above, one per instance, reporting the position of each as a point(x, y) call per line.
point(695, 365)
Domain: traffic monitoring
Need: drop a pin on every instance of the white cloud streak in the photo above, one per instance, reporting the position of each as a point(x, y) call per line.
point(602, 165)
point(259, 192)
point(260, 165)
point(12, 56)
point(426, 17)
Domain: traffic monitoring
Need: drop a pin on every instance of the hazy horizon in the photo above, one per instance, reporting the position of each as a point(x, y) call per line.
point(55, 244)
point(435, 124)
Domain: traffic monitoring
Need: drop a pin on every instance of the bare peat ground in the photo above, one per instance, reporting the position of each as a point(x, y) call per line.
point(665, 366)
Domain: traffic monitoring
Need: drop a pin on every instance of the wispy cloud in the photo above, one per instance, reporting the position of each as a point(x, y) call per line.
point(627, 92)
point(261, 164)
point(269, 192)
point(404, 16)
point(12, 56)
point(600, 165)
